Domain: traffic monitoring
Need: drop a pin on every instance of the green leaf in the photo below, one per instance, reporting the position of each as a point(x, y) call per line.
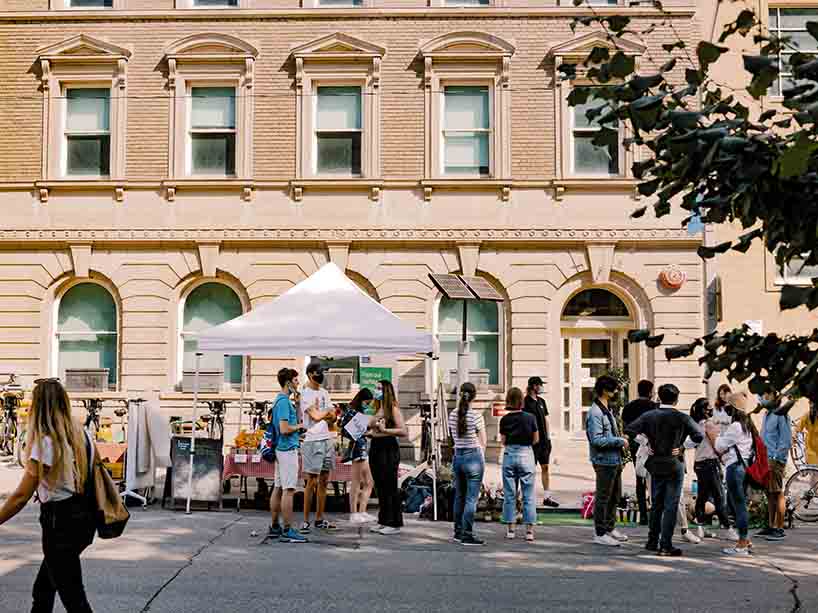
point(640, 212)
point(693, 77)
point(654, 341)
point(764, 69)
point(681, 351)
point(569, 71)
point(685, 120)
point(793, 296)
point(617, 23)
point(638, 336)
point(795, 160)
point(648, 188)
point(812, 28)
point(707, 253)
point(598, 55)
point(622, 65)
point(669, 65)
point(578, 96)
point(578, 2)
point(708, 53)
point(767, 115)
point(669, 47)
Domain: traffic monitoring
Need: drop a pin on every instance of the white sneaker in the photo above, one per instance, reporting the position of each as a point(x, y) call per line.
point(510, 535)
point(692, 538)
point(389, 531)
point(732, 535)
point(376, 529)
point(356, 518)
point(607, 541)
point(619, 536)
point(742, 552)
point(366, 518)
point(700, 531)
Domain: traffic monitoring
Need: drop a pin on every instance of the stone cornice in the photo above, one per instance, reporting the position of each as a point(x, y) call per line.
point(335, 14)
point(451, 235)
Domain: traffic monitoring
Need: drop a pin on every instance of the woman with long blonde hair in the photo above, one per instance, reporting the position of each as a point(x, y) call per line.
point(56, 470)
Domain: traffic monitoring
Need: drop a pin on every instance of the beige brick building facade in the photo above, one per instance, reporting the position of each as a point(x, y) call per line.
point(460, 156)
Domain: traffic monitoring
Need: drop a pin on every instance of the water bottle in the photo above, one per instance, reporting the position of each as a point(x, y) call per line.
point(694, 488)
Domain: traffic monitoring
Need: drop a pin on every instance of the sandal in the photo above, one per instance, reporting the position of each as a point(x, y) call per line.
point(529, 536)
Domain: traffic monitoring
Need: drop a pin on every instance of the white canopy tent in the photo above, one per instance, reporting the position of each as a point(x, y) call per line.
point(327, 315)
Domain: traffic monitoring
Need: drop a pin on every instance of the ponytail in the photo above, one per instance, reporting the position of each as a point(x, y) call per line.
point(813, 412)
point(467, 394)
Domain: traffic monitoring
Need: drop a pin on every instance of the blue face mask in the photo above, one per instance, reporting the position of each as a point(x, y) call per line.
point(378, 394)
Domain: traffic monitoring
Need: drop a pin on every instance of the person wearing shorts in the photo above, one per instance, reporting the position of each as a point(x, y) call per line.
point(357, 454)
point(285, 419)
point(536, 406)
point(318, 450)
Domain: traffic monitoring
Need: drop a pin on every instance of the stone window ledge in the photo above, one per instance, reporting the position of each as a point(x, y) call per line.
point(373, 186)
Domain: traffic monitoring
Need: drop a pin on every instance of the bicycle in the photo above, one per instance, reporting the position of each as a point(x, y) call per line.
point(801, 490)
point(93, 407)
point(12, 396)
point(259, 413)
point(215, 419)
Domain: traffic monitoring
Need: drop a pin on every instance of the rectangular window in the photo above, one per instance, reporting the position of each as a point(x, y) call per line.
point(466, 130)
point(797, 273)
point(590, 158)
point(213, 131)
point(338, 131)
point(791, 23)
point(87, 132)
point(215, 3)
point(90, 3)
point(341, 3)
point(466, 3)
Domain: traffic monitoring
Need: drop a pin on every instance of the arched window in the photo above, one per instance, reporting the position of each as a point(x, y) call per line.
point(484, 327)
point(595, 303)
point(87, 330)
point(206, 306)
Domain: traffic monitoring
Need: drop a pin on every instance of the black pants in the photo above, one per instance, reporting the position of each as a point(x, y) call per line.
point(608, 490)
point(708, 476)
point(67, 531)
point(384, 459)
point(666, 490)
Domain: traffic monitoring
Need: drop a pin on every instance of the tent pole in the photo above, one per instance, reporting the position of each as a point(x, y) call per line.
point(193, 431)
point(241, 395)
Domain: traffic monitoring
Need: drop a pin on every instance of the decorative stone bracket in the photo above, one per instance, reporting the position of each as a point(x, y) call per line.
point(208, 257)
point(469, 257)
point(81, 258)
point(600, 261)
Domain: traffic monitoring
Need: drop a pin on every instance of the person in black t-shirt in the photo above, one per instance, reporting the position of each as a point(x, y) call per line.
point(520, 434)
point(536, 406)
point(633, 411)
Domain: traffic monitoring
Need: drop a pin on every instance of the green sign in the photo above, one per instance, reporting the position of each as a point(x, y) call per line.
point(370, 375)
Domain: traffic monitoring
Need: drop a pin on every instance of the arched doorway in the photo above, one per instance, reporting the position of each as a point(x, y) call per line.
point(594, 339)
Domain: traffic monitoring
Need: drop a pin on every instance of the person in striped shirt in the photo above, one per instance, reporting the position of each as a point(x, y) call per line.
point(468, 430)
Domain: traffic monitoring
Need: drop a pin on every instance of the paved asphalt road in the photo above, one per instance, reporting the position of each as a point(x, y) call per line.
point(172, 563)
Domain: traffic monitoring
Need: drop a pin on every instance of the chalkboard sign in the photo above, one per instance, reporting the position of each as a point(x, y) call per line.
point(208, 466)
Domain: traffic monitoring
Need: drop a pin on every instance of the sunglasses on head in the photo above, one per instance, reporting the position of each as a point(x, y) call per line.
point(47, 380)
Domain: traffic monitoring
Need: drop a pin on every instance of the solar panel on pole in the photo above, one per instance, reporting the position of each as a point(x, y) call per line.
point(482, 289)
point(452, 287)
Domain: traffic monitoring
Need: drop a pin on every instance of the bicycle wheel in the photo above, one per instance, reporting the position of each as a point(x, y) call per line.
point(5, 443)
point(802, 493)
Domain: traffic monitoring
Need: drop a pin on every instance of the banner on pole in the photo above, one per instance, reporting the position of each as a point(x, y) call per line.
point(370, 375)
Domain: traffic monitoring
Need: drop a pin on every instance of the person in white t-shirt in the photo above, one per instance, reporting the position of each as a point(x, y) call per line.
point(57, 470)
point(318, 448)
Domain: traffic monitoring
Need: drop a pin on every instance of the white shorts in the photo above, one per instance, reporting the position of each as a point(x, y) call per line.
point(287, 469)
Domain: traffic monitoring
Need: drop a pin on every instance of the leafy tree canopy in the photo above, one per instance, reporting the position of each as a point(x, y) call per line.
point(706, 152)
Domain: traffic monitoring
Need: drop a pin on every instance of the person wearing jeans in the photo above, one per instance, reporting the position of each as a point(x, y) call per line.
point(736, 445)
point(606, 444)
point(519, 433)
point(707, 466)
point(468, 431)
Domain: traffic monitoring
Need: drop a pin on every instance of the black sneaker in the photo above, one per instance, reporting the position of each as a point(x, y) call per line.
point(275, 532)
point(457, 538)
point(305, 528)
point(550, 502)
point(673, 552)
point(777, 534)
point(325, 525)
point(766, 532)
point(471, 541)
point(652, 547)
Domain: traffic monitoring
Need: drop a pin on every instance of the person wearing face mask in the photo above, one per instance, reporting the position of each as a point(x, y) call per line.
point(384, 459)
point(358, 453)
point(318, 450)
point(536, 406)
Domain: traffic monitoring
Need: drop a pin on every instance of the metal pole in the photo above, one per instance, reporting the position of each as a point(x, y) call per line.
point(241, 396)
point(193, 431)
point(463, 350)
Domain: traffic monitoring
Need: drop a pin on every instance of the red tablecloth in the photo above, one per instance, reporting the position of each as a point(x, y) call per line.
point(266, 470)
